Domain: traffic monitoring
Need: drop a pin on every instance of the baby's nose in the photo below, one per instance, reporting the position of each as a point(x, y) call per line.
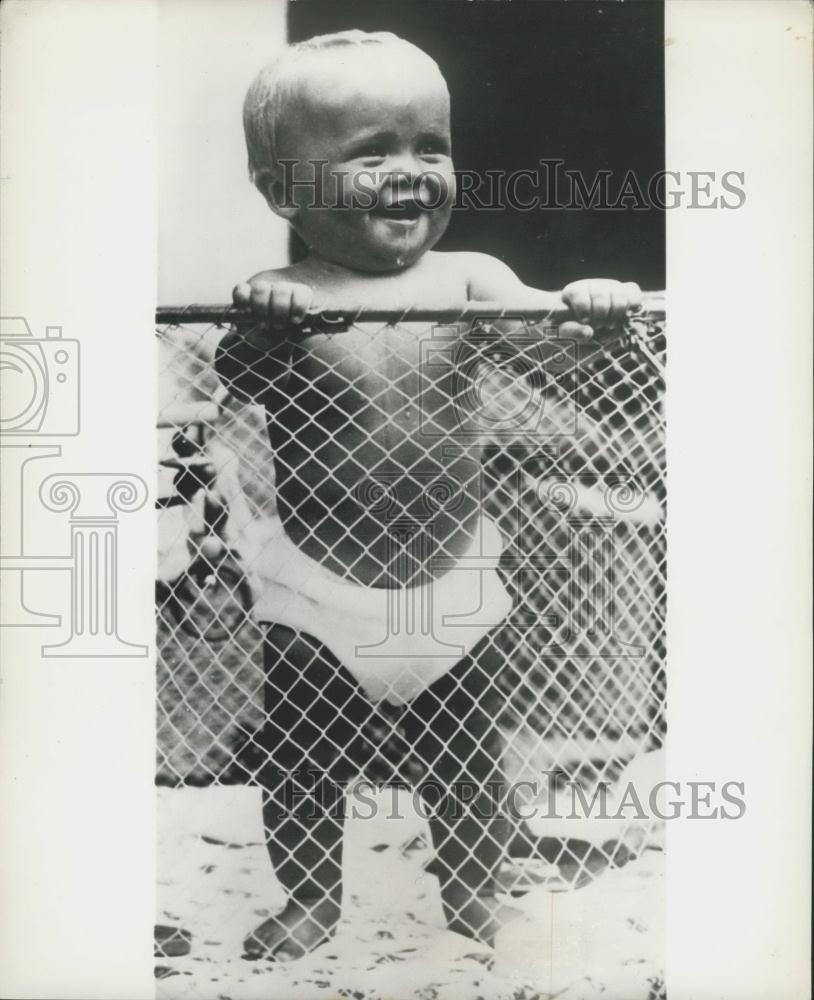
point(426, 186)
point(401, 170)
point(430, 189)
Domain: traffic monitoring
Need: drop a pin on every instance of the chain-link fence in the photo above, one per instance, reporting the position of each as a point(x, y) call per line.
point(394, 448)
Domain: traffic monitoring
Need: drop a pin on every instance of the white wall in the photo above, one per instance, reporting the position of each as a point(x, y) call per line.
point(214, 227)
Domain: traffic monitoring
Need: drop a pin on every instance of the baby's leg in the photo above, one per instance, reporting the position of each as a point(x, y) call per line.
point(308, 741)
point(454, 728)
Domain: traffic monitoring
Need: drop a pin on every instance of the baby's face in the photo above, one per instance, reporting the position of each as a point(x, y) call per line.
point(380, 120)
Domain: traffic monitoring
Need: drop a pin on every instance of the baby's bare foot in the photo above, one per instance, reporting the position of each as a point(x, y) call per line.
point(293, 933)
point(482, 917)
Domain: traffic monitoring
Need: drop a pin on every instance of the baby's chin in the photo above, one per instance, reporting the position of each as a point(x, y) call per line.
point(393, 245)
point(377, 245)
point(374, 259)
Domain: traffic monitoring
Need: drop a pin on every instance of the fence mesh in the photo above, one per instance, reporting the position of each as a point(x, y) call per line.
point(389, 441)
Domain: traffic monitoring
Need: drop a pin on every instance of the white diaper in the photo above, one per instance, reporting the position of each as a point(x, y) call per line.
point(396, 642)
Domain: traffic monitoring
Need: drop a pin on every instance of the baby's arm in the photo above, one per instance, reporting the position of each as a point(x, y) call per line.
point(248, 360)
point(597, 303)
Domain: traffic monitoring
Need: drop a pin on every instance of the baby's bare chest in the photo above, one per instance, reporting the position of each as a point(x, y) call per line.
point(376, 378)
point(367, 434)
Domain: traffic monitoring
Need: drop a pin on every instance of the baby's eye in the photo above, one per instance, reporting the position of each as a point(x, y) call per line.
point(372, 152)
point(433, 147)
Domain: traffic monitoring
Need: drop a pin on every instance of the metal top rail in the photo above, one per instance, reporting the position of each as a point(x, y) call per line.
point(653, 309)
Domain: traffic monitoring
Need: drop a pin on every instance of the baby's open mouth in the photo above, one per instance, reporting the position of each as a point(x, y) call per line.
point(405, 210)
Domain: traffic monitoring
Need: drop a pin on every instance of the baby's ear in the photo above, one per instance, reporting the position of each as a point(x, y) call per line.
point(271, 186)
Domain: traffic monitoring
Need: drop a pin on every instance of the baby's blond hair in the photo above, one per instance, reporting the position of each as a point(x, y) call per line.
point(276, 85)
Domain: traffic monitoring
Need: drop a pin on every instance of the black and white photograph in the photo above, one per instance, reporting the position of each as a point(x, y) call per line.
point(412, 572)
point(404, 526)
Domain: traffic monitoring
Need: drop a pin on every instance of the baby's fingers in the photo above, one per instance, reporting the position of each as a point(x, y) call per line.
point(301, 299)
point(575, 331)
point(242, 295)
point(578, 299)
point(617, 312)
point(633, 295)
point(260, 300)
point(626, 299)
point(601, 304)
point(280, 307)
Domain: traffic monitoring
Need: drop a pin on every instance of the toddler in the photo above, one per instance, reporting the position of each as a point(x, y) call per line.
point(379, 589)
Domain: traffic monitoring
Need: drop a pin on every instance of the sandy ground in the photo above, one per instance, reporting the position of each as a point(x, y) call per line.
point(214, 880)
